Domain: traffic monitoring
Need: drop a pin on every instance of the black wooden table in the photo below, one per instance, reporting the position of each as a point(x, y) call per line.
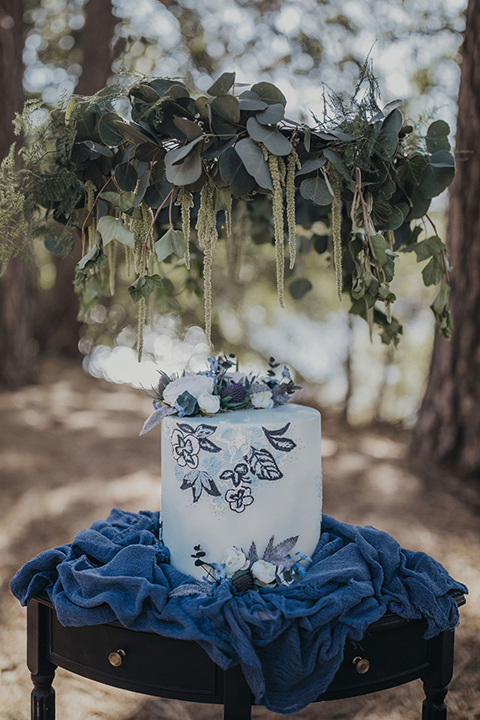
point(393, 652)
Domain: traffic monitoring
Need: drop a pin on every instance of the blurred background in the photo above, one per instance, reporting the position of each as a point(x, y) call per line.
point(74, 397)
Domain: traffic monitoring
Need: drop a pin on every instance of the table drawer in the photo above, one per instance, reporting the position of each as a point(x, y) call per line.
point(141, 661)
point(390, 657)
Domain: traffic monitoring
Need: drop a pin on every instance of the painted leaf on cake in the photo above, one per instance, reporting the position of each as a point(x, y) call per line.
point(203, 430)
point(262, 464)
point(199, 480)
point(280, 443)
point(208, 445)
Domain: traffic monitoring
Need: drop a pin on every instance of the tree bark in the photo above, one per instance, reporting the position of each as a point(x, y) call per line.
point(58, 330)
point(16, 345)
point(448, 428)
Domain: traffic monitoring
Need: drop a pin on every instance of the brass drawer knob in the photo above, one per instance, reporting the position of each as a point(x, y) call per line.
point(362, 665)
point(116, 658)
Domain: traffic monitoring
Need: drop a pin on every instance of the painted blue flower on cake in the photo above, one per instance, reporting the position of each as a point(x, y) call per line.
point(185, 449)
point(239, 498)
point(188, 441)
point(240, 474)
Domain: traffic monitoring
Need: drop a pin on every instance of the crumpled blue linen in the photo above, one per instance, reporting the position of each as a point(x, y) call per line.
point(288, 640)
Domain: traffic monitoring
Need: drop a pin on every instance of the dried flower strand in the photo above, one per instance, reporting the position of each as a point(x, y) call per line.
point(207, 236)
point(337, 236)
point(275, 164)
point(185, 200)
point(140, 327)
point(112, 257)
point(293, 163)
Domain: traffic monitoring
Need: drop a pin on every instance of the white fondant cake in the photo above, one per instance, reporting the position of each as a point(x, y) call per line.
point(240, 477)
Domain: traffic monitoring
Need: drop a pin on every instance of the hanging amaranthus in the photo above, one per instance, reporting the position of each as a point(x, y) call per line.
point(336, 233)
point(185, 200)
point(277, 171)
point(111, 254)
point(207, 236)
point(140, 327)
point(293, 163)
point(92, 228)
point(228, 216)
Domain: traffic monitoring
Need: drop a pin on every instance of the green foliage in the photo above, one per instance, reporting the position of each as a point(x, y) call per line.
point(100, 172)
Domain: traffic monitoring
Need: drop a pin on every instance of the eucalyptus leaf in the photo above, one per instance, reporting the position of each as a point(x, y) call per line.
point(97, 148)
point(250, 101)
point(387, 140)
point(272, 138)
point(109, 131)
point(227, 107)
point(235, 174)
point(223, 84)
point(272, 115)
point(126, 176)
point(185, 172)
point(316, 189)
point(256, 165)
point(173, 157)
point(310, 165)
point(190, 129)
point(269, 93)
point(157, 193)
point(111, 228)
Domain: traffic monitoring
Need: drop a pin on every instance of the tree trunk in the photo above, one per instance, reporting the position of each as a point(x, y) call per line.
point(16, 346)
point(58, 330)
point(448, 428)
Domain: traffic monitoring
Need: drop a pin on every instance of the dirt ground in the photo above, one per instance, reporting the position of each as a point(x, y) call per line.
point(70, 451)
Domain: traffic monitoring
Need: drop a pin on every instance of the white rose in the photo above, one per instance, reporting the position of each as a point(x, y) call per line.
point(196, 385)
point(262, 399)
point(234, 560)
point(208, 403)
point(264, 571)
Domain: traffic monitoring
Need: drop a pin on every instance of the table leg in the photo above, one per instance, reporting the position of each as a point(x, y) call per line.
point(435, 683)
point(41, 669)
point(237, 696)
point(43, 697)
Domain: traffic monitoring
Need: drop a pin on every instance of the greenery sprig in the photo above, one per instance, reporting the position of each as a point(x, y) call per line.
point(117, 178)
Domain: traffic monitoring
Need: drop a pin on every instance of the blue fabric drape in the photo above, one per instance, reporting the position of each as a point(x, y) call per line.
point(289, 640)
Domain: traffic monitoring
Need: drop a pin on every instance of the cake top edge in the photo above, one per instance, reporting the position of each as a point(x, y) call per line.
point(220, 388)
point(293, 412)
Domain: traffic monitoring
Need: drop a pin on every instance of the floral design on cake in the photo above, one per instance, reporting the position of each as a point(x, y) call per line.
point(239, 498)
point(257, 464)
point(198, 481)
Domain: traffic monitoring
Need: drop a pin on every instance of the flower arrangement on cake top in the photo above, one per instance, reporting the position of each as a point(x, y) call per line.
point(220, 388)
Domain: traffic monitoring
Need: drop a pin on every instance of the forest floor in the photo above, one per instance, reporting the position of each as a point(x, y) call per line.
point(70, 451)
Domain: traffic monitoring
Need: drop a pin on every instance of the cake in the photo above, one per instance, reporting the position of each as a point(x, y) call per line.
point(241, 485)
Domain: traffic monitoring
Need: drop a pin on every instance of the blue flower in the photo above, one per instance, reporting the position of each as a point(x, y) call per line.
point(213, 362)
point(186, 404)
